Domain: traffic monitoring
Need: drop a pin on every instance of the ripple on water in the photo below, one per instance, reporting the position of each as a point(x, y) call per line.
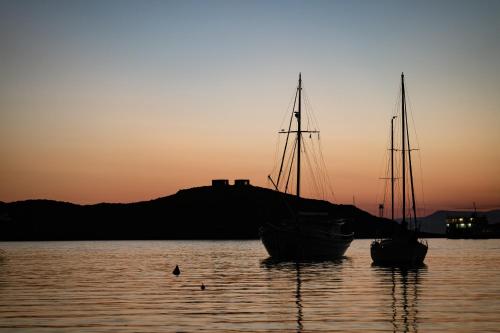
point(129, 287)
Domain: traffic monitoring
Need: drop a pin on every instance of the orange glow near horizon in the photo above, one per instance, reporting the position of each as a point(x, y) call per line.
point(135, 102)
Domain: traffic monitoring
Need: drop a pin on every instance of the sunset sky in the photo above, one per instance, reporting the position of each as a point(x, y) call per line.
point(122, 101)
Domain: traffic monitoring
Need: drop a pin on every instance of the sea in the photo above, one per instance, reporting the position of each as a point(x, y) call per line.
point(128, 286)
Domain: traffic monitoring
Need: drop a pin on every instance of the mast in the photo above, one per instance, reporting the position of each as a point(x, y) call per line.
point(403, 148)
point(297, 147)
point(299, 134)
point(392, 167)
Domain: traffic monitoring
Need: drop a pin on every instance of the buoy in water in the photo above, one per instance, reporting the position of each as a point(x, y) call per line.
point(202, 286)
point(176, 271)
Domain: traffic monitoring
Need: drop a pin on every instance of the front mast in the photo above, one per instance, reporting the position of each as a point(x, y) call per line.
point(403, 121)
point(299, 131)
point(299, 135)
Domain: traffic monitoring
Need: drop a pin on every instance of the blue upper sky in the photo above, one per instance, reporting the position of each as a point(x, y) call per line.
point(115, 77)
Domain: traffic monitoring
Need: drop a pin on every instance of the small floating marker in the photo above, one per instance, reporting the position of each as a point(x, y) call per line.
point(176, 271)
point(202, 286)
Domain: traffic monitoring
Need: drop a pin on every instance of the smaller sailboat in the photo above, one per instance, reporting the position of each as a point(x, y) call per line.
point(306, 235)
point(404, 247)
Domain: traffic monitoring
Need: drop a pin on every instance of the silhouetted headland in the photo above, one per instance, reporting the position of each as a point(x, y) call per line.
point(220, 211)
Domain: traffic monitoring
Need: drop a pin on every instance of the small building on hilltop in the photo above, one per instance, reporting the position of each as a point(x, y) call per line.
point(225, 182)
point(220, 182)
point(241, 182)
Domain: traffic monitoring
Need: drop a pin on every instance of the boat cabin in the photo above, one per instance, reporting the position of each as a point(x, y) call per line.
point(461, 226)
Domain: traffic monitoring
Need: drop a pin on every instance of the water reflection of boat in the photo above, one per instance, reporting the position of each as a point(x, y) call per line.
point(296, 269)
point(404, 285)
point(306, 234)
point(404, 247)
point(298, 299)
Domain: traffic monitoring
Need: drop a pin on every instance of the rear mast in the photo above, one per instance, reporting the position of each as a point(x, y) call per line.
point(392, 168)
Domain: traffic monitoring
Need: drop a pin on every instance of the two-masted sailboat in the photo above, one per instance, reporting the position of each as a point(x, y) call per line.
point(404, 247)
point(305, 235)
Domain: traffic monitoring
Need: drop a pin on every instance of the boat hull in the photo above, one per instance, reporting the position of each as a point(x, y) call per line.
point(285, 244)
point(398, 252)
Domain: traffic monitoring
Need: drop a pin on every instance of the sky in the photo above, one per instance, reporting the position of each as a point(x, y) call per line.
point(122, 101)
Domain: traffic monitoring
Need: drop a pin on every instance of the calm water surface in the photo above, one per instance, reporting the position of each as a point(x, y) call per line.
point(128, 286)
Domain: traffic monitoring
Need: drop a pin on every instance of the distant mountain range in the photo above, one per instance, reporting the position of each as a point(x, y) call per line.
point(436, 222)
point(209, 212)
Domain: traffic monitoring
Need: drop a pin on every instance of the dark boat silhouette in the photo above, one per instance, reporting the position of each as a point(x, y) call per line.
point(305, 235)
point(404, 247)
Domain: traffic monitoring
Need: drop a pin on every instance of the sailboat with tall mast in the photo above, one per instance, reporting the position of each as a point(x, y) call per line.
point(404, 247)
point(305, 235)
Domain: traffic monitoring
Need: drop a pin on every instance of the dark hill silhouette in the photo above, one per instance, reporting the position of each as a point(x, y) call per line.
point(226, 212)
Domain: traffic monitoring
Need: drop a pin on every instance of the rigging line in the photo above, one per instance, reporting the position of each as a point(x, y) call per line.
point(319, 174)
point(422, 201)
point(310, 169)
point(397, 185)
point(329, 181)
point(306, 107)
point(292, 100)
point(287, 137)
point(408, 99)
point(276, 150)
point(315, 171)
point(306, 111)
point(319, 169)
point(323, 174)
point(319, 160)
point(414, 130)
point(291, 164)
point(384, 163)
point(307, 167)
point(305, 116)
point(320, 166)
point(313, 114)
point(397, 102)
point(289, 161)
point(411, 174)
point(387, 175)
point(312, 117)
point(386, 181)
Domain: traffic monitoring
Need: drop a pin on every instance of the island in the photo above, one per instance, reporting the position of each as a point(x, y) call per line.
point(220, 211)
